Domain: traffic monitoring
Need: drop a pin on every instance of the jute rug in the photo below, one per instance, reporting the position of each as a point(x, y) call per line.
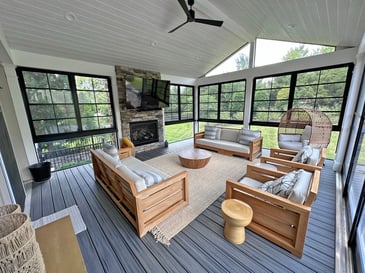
point(205, 186)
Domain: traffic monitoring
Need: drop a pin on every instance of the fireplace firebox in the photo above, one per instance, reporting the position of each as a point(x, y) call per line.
point(144, 132)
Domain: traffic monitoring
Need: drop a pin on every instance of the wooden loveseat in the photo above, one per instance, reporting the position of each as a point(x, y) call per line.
point(230, 141)
point(144, 208)
point(278, 219)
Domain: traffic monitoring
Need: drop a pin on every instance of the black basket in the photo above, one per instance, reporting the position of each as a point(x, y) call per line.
point(40, 171)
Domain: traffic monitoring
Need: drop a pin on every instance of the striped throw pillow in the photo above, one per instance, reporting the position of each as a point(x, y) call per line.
point(210, 132)
point(247, 136)
point(150, 178)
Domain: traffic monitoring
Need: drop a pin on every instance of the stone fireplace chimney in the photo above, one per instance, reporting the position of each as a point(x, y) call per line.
point(133, 116)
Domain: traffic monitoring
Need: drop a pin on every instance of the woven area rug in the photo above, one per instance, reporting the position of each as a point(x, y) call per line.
point(205, 186)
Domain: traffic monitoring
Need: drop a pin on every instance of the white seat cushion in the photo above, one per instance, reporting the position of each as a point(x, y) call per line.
point(251, 182)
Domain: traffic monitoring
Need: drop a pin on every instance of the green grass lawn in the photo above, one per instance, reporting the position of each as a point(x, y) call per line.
point(183, 131)
point(177, 132)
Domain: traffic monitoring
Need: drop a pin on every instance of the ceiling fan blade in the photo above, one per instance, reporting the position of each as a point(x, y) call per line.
point(179, 26)
point(209, 22)
point(185, 8)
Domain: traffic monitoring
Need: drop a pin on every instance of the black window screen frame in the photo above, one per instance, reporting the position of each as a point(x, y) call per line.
point(180, 115)
point(292, 89)
point(79, 132)
point(215, 107)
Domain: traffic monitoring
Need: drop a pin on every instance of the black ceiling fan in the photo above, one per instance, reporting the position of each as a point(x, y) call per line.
point(191, 16)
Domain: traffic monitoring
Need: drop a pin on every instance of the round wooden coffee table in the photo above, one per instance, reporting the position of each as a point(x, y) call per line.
point(194, 158)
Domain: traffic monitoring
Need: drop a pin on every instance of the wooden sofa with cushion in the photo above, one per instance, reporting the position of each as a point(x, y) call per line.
point(230, 141)
point(289, 155)
point(288, 160)
point(144, 203)
point(279, 215)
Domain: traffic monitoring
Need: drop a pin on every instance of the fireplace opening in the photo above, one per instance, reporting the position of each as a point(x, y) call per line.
point(144, 132)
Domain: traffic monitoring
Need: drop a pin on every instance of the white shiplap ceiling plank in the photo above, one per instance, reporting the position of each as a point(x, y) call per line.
point(135, 33)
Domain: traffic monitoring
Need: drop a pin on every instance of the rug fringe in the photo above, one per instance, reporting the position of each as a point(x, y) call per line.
point(160, 236)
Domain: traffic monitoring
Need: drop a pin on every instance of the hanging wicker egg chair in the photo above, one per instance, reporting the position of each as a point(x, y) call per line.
point(299, 127)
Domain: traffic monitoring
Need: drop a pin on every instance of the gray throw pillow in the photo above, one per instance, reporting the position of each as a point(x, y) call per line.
point(210, 132)
point(246, 136)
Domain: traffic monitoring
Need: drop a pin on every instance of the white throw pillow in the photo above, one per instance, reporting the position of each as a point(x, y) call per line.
point(114, 161)
point(314, 157)
point(306, 133)
point(111, 150)
point(301, 188)
point(303, 155)
point(210, 132)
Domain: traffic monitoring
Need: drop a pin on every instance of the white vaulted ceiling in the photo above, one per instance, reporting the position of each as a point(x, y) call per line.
point(134, 33)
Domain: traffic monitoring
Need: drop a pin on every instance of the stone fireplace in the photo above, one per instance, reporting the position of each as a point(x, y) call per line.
point(132, 116)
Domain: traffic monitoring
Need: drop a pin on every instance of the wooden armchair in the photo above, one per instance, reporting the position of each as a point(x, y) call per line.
point(288, 155)
point(280, 220)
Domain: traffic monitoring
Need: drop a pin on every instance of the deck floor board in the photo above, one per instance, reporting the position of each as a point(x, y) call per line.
point(110, 243)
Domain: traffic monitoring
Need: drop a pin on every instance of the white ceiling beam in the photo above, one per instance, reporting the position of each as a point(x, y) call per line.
point(230, 25)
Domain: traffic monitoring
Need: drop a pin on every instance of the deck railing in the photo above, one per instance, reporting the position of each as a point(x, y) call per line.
point(69, 157)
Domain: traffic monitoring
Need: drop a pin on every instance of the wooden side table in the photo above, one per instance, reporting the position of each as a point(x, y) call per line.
point(124, 152)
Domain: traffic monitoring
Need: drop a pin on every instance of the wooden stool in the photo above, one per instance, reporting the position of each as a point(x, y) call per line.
point(237, 215)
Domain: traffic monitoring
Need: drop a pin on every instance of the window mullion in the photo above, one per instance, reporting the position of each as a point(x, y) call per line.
point(179, 101)
point(71, 79)
point(293, 83)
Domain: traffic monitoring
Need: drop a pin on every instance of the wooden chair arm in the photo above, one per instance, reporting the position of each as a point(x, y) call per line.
point(264, 196)
point(199, 135)
point(282, 153)
point(287, 166)
point(255, 148)
point(262, 174)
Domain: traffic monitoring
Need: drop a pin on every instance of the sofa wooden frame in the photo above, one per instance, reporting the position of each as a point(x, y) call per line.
point(147, 208)
point(255, 148)
point(278, 219)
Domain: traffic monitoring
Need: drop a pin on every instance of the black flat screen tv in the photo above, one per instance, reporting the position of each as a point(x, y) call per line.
point(146, 94)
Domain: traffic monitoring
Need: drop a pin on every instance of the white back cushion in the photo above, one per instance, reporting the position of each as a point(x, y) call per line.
point(229, 134)
point(301, 188)
point(289, 137)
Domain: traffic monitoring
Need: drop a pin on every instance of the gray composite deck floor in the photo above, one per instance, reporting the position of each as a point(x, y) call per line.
point(111, 245)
